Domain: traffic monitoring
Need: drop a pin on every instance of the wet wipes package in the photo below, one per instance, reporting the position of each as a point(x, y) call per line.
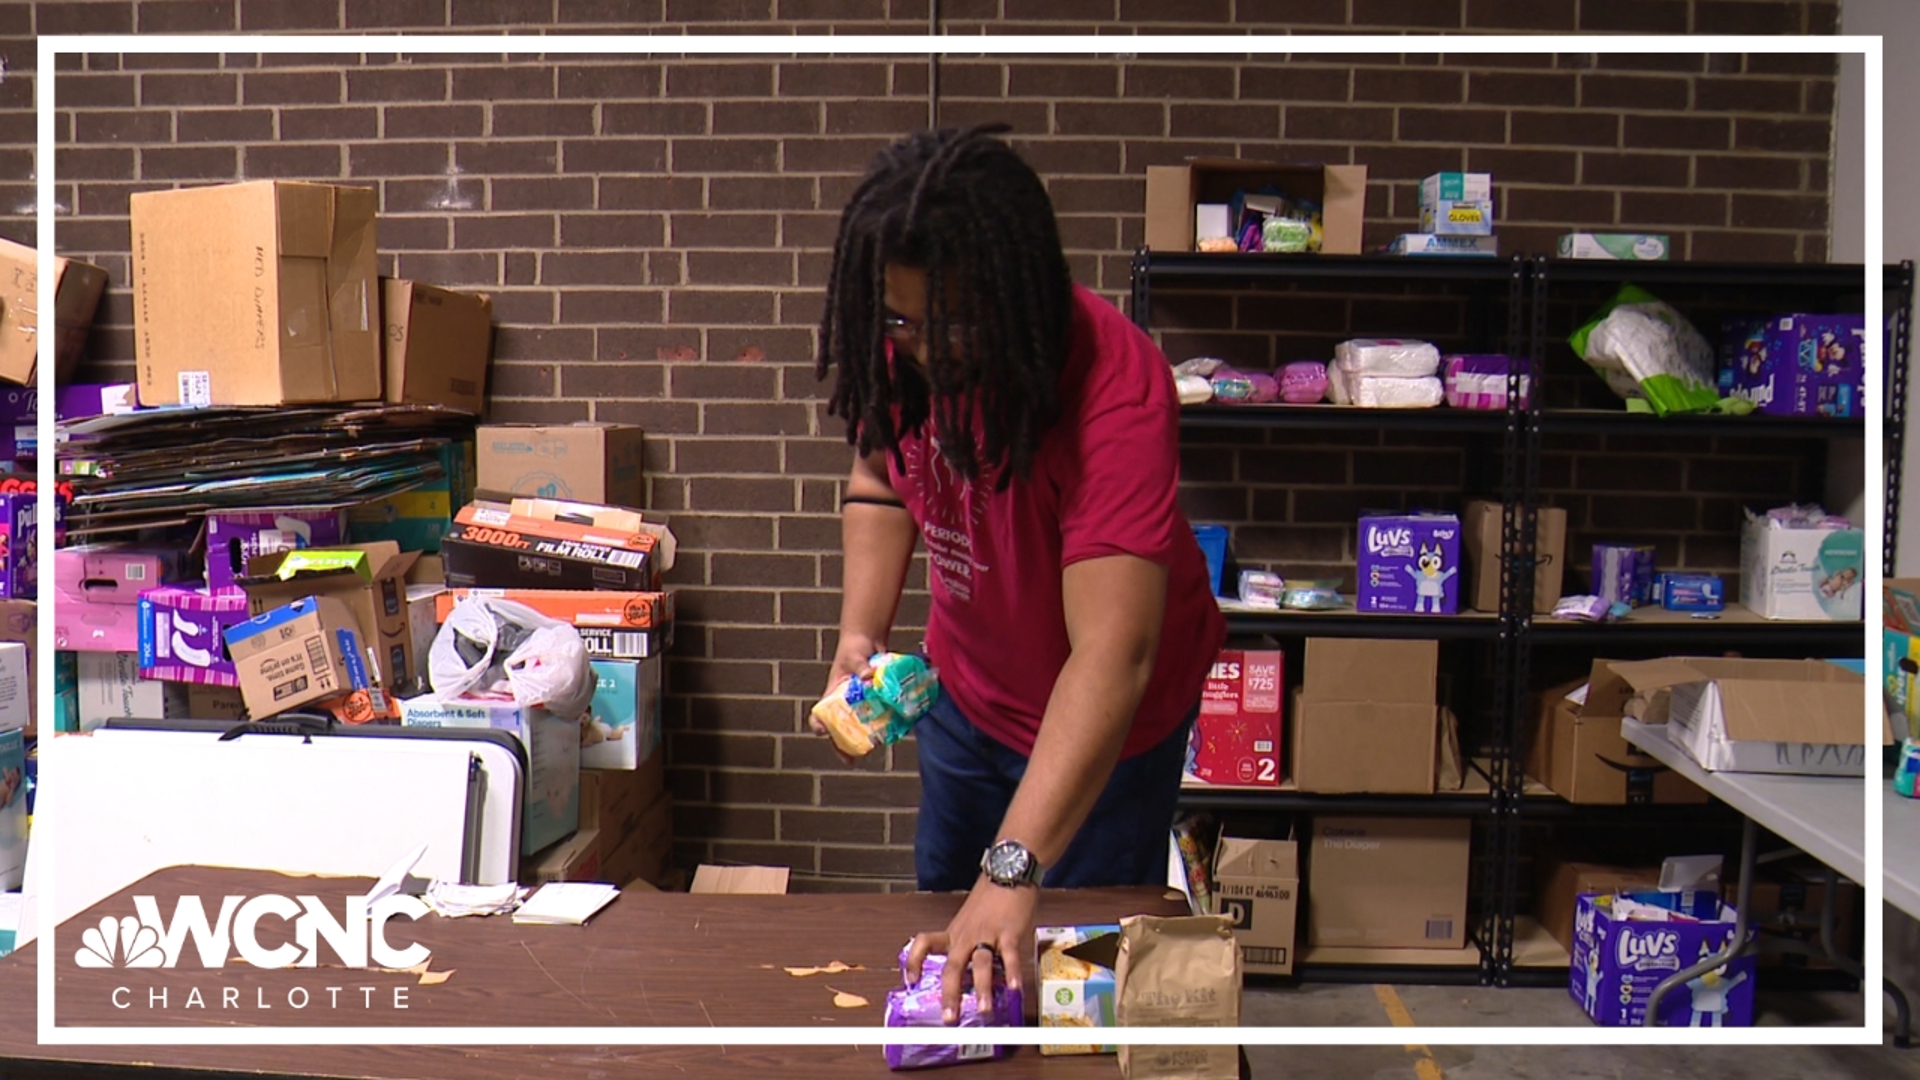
point(1624, 945)
point(1410, 564)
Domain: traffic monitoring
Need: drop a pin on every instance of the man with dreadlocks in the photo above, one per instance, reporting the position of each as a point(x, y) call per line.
point(1027, 433)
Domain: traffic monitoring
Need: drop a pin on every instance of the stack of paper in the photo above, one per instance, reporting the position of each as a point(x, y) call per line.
point(565, 903)
point(453, 900)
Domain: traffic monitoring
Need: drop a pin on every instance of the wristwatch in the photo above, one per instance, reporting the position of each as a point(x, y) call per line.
point(1009, 863)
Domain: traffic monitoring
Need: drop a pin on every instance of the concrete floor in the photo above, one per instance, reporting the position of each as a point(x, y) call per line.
point(1362, 1006)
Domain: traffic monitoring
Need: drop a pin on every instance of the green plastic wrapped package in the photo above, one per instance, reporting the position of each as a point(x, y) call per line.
point(1648, 351)
point(882, 707)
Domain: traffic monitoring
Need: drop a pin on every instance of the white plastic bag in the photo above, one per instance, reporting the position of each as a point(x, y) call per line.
point(490, 646)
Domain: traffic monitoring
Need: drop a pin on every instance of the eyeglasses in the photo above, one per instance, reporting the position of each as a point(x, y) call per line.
point(904, 331)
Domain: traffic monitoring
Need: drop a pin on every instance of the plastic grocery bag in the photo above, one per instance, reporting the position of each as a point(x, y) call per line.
point(494, 646)
point(1645, 349)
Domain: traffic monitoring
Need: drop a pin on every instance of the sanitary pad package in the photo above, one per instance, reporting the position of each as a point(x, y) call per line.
point(1384, 391)
point(1479, 381)
point(918, 1005)
point(1387, 356)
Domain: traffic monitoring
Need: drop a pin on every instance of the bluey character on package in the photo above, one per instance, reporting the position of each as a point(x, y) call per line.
point(1410, 564)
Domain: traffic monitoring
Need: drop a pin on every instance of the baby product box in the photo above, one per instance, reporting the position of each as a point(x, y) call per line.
point(1410, 564)
point(97, 594)
point(1076, 981)
point(1802, 365)
point(1809, 574)
point(109, 687)
point(236, 537)
point(622, 728)
point(551, 810)
point(181, 634)
point(1617, 963)
point(1236, 738)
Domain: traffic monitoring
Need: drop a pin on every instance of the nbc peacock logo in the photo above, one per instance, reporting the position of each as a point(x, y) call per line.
point(123, 942)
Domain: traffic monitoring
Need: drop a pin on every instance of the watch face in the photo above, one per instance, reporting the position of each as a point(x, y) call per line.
point(1007, 862)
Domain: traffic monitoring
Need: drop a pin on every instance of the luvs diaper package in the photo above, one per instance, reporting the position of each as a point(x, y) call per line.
point(1410, 564)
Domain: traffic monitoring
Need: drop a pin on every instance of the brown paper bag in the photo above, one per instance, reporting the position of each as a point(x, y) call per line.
point(1452, 770)
point(1178, 972)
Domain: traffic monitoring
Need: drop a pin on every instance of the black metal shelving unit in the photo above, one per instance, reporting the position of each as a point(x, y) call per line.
point(1527, 285)
point(1897, 287)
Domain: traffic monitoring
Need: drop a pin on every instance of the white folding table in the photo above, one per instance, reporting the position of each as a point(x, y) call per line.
point(1900, 868)
point(1823, 816)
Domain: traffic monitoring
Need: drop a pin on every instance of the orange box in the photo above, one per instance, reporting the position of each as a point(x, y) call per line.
point(481, 516)
point(615, 610)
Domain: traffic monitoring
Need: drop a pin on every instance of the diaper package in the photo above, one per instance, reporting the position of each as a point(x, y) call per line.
point(1479, 381)
point(1647, 350)
point(1384, 391)
point(1303, 382)
point(862, 713)
point(1387, 356)
point(1410, 564)
point(918, 1005)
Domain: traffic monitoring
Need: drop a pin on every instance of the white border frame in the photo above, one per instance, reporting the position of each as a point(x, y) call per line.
point(1868, 1034)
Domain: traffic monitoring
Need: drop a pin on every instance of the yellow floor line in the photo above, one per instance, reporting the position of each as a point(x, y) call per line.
point(1424, 1066)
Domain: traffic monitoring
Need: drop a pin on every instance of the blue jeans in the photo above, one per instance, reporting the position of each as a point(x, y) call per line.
point(967, 781)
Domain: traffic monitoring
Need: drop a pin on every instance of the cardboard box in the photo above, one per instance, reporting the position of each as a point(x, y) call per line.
point(237, 537)
point(613, 800)
point(1236, 737)
point(260, 293)
point(1561, 884)
point(590, 463)
point(613, 625)
point(1629, 247)
point(1430, 244)
point(305, 651)
point(1768, 716)
point(1409, 564)
point(181, 634)
point(1811, 574)
point(1579, 753)
point(576, 858)
point(76, 296)
point(1077, 990)
point(1445, 187)
point(1174, 190)
point(1785, 905)
point(1617, 963)
point(1901, 607)
point(369, 578)
point(622, 727)
point(551, 809)
point(437, 345)
point(215, 702)
point(600, 516)
point(1803, 365)
point(97, 594)
point(642, 854)
point(423, 603)
point(418, 519)
point(1458, 217)
point(1389, 882)
point(109, 687)
point(739, 880)
point(491, 548)
point(1481, 530)
point(1257, 883)
point(1365, 719)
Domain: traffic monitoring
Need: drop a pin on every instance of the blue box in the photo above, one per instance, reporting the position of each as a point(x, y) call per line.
point(1691, 592)
point(1617, 963)
point(1213, 544)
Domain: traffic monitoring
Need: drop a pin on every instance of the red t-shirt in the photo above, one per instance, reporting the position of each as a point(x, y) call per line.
point(1103, 483)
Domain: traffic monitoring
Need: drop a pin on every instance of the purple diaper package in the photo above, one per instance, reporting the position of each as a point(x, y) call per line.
point(1410, 564)
point(1479, 381)
point(1303, 382)
point(1802, 365)
point(1623, 573)
point(918, 1005)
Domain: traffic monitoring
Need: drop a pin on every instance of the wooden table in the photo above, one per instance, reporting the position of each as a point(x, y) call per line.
point(665, 959)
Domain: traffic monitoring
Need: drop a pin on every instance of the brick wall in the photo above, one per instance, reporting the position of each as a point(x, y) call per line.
point(655, 233)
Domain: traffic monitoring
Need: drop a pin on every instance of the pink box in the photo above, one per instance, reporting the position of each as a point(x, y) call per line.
point(1236, 738)
point(96, 594)
point(183, 634)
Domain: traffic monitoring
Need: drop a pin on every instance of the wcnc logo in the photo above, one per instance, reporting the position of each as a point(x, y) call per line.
point(146, 940)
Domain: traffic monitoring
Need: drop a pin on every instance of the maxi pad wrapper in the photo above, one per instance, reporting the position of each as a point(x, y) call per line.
point(918, 1005)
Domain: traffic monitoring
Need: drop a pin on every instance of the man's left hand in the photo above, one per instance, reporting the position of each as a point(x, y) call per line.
point(994, 916)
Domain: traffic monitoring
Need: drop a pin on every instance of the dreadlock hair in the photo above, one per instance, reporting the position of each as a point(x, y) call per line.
point(963, 207)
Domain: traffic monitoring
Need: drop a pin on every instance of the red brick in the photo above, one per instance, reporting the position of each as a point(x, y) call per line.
point(1632, 92)
point(292, 88)
point(1574, 207)
point(1785, 136)
point(1637, 16)
point(96, 91)
point(74, 163)
point(394, 159)
point(1747, 95)
point(514, 121)
point(633, 13)
point(821, 78)
point(740, 268)
point(1746, 17)
point(706, 80)
point(743, 419)
point(157, 17)
point(1634, 170)
point(1132, 118)
point(188, 163)
point(1532, 89)
point(1672, 208)
point(766, 118)
point(1678, 132)
point(721, 381)
point(294, 163)
point(259, 15)
point(403, 233)
point(1407, 85)
point(609, 268)
point(208, 89)
point(725, 155)
point(495, 157)
point(433, 121)
point(713, 306)
point(1524, 166)
point(659, 118)
point(1521, 14)
point(1818, 64)
point(1455, 126)
point(1073, 196)
point(397, 84)
point(1184, 81)
point(1529, 128)
point(134, 126)
point(724, 230)
point(617, 307)
point(1807, 212)
point(393, 14)
point(1339, 124)
point(507, 83)
point(500, 12)
point(83, 18)
point(615, 156)
point(323, 124)
point(1440, 14)
point(1056, 78)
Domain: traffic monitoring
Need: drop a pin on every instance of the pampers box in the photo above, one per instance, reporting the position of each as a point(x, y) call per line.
point(1802, 365)
point(1410, 564)
point(623, 728)
point(1617, 962)
point(550, 811)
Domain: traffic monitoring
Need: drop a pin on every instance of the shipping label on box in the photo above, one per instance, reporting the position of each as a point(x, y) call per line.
point(13, 808)
point(109, 687)
point(1236, 738)
point(237, 537)
point(1077, 982)
point(181, 634)
point(592, 463)
point(1410, 564)
point(1618, 962)
point(1802, 365)
point(1257, 883)
point(551, 807)
point(259, 293)
point(1807, 574)
point(371, 580)
point(622, 728)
